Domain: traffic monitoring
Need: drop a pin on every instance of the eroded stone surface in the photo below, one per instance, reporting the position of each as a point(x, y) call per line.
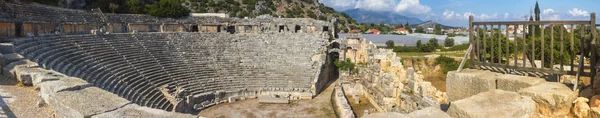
point(493, 104)
point(136, 111)
point(429, 112)
point(580, 107)
point(469, 82)
point(552, 99)
point(86, 102)
point(515, 83)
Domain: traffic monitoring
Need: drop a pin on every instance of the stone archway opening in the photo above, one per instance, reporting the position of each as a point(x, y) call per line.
point(297, 28)
point(195, 28)
point(281, 28)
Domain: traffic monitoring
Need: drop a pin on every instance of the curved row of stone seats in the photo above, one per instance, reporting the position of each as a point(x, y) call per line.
point(62, 47)
point(73, 97)
point(38, 12)
point(134, 66)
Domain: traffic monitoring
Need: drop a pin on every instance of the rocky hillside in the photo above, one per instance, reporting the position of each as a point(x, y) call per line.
point(252, 8)
point(431, 24)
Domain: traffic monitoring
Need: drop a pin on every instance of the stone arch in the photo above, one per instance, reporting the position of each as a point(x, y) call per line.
point(231, 29)
point(297, 28)
point(335, 45)
point(195, 28)
point(281, 28)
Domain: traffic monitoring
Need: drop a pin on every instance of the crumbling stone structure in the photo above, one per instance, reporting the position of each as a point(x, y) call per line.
point(171, 64)
point(381, 77)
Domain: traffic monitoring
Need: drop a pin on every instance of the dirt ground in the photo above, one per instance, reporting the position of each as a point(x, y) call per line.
point(359, 108)
point(318, 107)
point(21, 102)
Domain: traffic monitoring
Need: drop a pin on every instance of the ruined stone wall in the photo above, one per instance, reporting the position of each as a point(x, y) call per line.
point(382, 78)
point(172, 28)
point(7, 30)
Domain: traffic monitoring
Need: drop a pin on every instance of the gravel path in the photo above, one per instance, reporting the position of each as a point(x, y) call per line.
point(21, 102)
point(319, 107)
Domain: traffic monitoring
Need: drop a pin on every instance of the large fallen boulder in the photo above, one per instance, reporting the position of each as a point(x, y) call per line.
point(552, 99)
point(515, 83)
point(493, 104)
point(469, 82)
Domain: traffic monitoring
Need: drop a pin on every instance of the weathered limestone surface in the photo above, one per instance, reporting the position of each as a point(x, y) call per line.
point(75, 98)
point(515, 82)
point(10, 69)
point(136, 111)
point(552, 99)
point(469, 82)
point(429, 112)
point(341, 103)
point(493, 104)
point(595, 112)
point(273, 100)
point(580, 107)
point(6, 48)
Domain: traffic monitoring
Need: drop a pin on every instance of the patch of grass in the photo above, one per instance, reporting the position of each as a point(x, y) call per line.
point(20, 84)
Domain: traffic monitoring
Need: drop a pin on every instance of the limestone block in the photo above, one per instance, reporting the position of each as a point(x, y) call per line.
point(552, 99)
point(83, 102)
point(595, 112)
point(595, 101)
point(515, 82)
point(580, 107)
point(7, 48)
point(429, 112)
point(469, 82)
point(493, 104)
point(9, 58)
point(9, 70)
point(136, 111)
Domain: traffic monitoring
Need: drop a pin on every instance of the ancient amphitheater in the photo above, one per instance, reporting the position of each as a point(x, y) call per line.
point(85, 63)
point(81, 59)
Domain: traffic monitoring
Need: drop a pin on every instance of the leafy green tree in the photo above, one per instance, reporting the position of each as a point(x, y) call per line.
point(419, 43)
point(438, 30)
point(113, 7)
point(449, 42)
point(420, 30)
point(389, 44)
point(407, 27)
point(167, 8)
point(434, 42)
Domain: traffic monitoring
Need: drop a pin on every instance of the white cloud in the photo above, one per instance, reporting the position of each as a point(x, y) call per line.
point(506, 16)
point(467, 14)
point(412, 7)
point(448, 14)
point(547, 11)
point(376, 5)
point(578, 12)
point(553, 17)
point(488, 17)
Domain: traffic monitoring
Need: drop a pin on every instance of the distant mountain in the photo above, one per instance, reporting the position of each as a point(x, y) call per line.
point(365, 16)
point(431, 24)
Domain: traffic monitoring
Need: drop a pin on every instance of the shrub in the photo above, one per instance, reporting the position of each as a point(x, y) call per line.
point(389, 44)
point(449, 64)
point(167, 8)
point(344, 65)
point(449, 42)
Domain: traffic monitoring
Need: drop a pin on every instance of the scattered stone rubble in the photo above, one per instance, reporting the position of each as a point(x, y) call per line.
point(382, 79)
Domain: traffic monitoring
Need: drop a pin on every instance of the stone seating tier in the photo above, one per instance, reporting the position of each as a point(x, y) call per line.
point(134, 66)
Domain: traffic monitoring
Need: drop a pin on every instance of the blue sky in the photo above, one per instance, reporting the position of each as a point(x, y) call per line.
point(456, 12)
